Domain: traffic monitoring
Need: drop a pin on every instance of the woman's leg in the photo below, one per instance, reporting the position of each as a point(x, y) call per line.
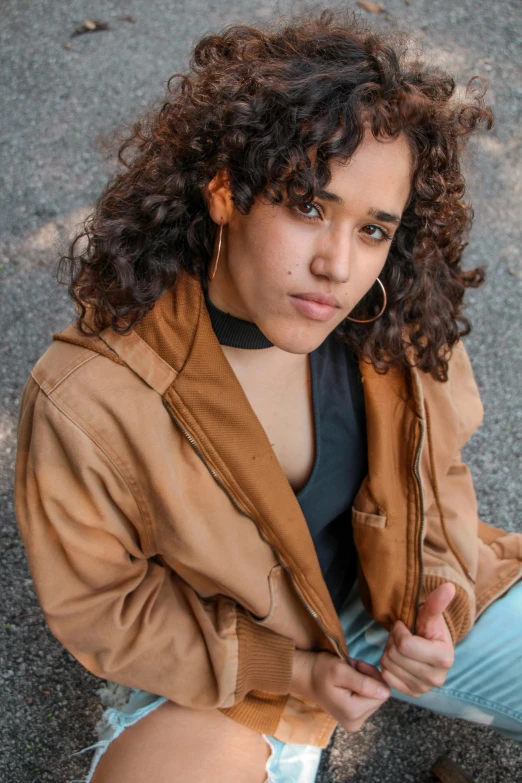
point(175, 743)
point(483, 686)
point(485, 683)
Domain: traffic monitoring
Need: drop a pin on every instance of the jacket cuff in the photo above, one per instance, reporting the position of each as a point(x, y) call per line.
point(458, 614)
point(265, 659)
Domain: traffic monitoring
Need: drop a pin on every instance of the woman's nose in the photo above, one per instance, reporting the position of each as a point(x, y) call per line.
point(335, 260)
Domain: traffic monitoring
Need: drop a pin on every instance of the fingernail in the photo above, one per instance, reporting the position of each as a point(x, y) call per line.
point(383, 692)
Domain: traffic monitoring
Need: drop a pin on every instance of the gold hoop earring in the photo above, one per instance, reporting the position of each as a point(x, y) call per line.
point(383, 308)
point(214, 264)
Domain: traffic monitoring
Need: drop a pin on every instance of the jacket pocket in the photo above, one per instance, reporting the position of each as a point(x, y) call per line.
point(367, 519)
point(274, 596)
point(287, 614)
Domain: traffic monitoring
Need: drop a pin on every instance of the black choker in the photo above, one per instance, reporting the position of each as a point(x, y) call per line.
point(234, 331)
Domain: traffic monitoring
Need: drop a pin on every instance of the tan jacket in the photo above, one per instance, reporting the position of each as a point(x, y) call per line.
point(168, 549)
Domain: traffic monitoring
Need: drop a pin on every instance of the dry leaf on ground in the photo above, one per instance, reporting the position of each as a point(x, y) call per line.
point(90, 26)
point(373, 8)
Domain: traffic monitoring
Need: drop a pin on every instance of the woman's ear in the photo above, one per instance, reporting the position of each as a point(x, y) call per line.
point(218, 197)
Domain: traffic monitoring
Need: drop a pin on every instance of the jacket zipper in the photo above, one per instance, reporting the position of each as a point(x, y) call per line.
point(215, 476)
point(422, 525)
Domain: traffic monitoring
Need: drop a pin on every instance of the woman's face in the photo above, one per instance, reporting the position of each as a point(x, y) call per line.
point(276, 259)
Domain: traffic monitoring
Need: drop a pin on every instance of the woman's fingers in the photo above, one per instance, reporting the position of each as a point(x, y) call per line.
point(362, 683)
point(433, 675)
point(403, 683)
point(353, 709)
point(427, 651)
point(348, 693)
point(414, 665)
point(408, 675)
point(367, 668)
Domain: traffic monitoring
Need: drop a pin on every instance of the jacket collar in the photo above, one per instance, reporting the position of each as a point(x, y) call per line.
point(158, 347)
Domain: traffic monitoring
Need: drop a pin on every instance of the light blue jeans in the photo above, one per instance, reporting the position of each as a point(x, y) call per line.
point(484, 685)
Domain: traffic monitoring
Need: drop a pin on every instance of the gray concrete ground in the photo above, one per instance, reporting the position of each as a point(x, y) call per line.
point(55, 101)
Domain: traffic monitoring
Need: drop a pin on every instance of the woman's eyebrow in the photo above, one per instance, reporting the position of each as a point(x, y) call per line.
point(386, 217)
point(326, 195)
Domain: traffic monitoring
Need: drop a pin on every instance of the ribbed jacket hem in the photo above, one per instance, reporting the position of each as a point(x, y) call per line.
point(260, 712)
point(265, 659)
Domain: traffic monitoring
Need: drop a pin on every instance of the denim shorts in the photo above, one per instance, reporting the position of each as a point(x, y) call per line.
point(484, 685)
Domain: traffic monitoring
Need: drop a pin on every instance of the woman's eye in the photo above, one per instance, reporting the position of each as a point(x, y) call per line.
point(376, 233)
point(309, 211)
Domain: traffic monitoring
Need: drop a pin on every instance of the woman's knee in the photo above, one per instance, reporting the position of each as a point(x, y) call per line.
point(194, 746)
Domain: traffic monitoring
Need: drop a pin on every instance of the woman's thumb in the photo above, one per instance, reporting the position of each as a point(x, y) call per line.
point(430, 620)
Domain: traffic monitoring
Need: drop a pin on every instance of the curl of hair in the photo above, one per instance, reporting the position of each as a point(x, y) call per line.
point(273, 108)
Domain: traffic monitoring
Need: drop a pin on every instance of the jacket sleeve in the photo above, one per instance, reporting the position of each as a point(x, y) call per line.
point(123, 615)
point(451, 518)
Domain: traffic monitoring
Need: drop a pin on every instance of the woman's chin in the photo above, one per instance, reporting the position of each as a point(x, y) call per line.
point(295, 341)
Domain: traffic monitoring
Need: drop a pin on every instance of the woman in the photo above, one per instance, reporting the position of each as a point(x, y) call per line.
point(253, 429)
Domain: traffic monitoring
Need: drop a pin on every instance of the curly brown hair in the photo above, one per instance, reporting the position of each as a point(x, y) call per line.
point(273, 107)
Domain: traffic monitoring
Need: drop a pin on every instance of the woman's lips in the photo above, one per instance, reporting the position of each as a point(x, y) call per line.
point(311, 308)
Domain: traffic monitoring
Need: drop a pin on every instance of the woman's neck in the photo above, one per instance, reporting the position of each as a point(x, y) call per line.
point(235, 332)
point(247, 349)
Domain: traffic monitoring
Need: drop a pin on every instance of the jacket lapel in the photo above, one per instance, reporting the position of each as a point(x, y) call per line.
point(208, 403)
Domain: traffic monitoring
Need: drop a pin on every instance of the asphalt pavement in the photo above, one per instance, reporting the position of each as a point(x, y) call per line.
point(58, 94)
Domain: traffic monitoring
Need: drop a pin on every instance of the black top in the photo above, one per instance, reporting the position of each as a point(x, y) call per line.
point(340, 462)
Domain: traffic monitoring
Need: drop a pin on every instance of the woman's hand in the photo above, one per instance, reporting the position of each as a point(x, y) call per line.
point(349, 693)
point(416, 664)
